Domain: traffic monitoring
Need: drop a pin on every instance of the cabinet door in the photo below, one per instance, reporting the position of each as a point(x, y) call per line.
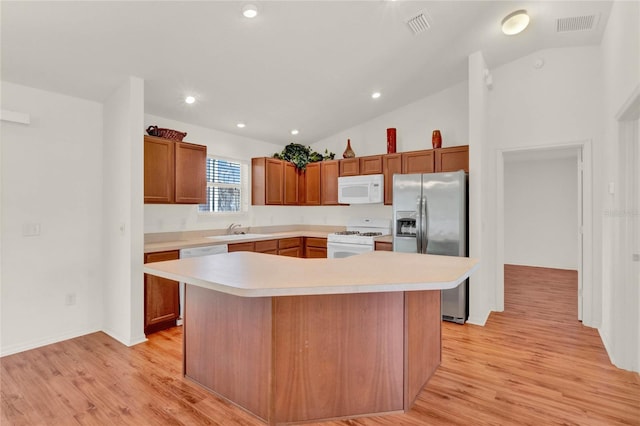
point(452, 159)
point(371, 165)
point(391, 165)
point(249, 246)
point(290, 183)
point(330, 170)
point(312, 185)
point(285, 243)
point(315, 253)
point(418, 162)
point(291, 251)
point(191, 173)
point(350, 167)
point(158, 170)
point(269, 246)
point(161, 296)
point(274, 182)
point(383, 246)
point(315, 247)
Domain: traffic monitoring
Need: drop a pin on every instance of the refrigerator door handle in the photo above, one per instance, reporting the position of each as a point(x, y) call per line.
point(419, 225)
point(425, 225)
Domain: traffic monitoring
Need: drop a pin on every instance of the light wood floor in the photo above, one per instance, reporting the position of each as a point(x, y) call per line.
point(533, 364)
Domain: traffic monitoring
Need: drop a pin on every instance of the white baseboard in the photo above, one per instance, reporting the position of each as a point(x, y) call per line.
point(479, 320)
point(33, 344)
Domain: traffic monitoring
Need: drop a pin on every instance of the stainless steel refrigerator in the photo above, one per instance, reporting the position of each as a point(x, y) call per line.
point(430, 216)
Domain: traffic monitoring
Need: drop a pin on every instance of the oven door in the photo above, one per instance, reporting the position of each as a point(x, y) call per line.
point(340, 250)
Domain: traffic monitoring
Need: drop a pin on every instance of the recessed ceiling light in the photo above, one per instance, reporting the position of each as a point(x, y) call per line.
point(240, 125)
point(189, 99)
point(375, 95)
point(515, 22)
point(250, 11)
point(295, 132)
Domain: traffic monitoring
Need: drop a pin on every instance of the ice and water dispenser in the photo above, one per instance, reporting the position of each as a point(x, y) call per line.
point(406, 224)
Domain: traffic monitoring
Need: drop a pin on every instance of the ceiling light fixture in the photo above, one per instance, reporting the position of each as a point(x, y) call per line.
point(250, 11)
point(375, 95)
point(240, 125)
point(189, 99)
point(295, 132)
point(515, 22)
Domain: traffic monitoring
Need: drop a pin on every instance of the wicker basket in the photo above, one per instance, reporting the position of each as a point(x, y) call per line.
point(166, 133)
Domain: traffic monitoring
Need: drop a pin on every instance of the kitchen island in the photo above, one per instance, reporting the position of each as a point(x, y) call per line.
point(294, 340)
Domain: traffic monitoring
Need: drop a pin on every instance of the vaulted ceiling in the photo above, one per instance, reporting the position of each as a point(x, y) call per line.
point(308, 65)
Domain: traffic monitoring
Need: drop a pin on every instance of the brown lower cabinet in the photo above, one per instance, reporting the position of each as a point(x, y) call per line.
point(250, 246)
point(269, 247)
point(383, 246)
point(309, 247)
point(161, 296)
point(315, 247)
point(290, 247)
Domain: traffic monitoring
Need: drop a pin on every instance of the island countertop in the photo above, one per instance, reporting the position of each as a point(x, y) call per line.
point(249, 274)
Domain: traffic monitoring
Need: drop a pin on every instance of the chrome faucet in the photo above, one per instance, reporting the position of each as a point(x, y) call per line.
point(231, 227)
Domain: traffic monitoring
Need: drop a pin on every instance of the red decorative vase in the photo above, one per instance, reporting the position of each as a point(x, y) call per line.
point(436, 139)
point(391, 140)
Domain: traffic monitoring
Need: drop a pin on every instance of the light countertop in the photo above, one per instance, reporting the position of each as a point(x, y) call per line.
point(250, 274)
point(201, 241)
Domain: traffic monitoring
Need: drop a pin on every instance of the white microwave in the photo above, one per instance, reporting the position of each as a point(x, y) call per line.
point(364, 189)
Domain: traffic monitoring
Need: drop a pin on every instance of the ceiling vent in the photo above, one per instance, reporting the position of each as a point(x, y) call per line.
point(577, 23)
point(419, 23)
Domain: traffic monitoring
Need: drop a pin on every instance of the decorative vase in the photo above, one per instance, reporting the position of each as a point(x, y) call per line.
point(348, 152)
point(391, 140)
point(436, 139)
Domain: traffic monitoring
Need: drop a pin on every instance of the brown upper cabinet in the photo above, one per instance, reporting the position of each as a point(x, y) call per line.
point(418, 161)
point(452, 159)
point(371, 165)
point(391, 165)
point(350, 167)
point(330, 170)
point(174, 172)
point(312, 184)
point(290, 183)
point(278, 182)
point(267, 181)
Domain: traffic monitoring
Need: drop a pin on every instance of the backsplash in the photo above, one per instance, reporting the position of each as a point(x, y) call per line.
point(179, 218)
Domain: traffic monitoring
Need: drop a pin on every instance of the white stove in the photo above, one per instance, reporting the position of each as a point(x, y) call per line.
point(358, 238)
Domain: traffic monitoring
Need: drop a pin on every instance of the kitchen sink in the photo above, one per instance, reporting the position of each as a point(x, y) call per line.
point(236, 237)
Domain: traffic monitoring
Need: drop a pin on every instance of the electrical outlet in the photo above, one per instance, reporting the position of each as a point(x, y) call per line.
point(30, 229)
point(70, 299)
point(635, 257)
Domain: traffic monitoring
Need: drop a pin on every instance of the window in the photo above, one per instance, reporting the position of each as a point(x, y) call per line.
point(225, 186)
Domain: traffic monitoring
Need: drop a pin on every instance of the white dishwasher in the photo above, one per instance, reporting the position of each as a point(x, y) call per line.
point(197, 252)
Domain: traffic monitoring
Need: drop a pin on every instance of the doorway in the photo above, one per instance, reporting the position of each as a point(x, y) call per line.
point(543, 219)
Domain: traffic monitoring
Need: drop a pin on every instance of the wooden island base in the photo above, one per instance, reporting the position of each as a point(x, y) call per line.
point(291, 359)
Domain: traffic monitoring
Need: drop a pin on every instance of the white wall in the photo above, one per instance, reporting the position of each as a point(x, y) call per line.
point(51, 176)
point(541, 214)
point(445, 110)
point(621, 77)
point(555, 105)
point(122, 233)
point(482, 226)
